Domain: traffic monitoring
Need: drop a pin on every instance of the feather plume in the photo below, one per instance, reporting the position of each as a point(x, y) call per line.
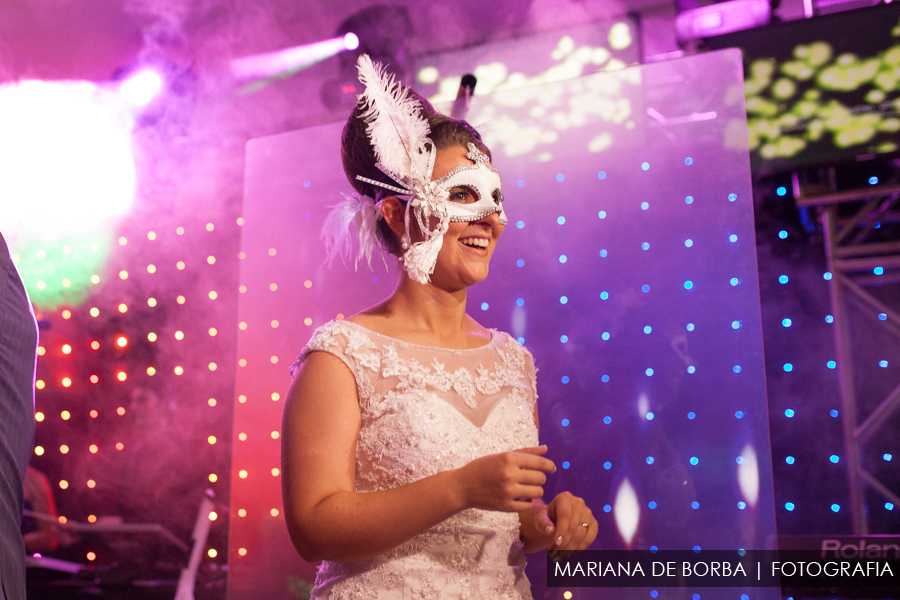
point(397, 131)
point(359, 211)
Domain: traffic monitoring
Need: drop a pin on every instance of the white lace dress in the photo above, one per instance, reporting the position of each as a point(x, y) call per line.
point(426, 410)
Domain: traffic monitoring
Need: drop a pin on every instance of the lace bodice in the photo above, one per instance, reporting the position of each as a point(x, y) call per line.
point(425, 410)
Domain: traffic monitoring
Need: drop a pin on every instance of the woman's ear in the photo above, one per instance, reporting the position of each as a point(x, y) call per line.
point(393, 212)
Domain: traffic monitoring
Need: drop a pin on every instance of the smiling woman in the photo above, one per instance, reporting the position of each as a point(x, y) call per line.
point(410, 455)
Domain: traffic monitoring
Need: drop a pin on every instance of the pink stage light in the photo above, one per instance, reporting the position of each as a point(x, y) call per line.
point(140, 89)
point(291, 60)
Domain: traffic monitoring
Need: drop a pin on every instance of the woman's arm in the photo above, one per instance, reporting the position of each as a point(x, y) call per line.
point(328, 519)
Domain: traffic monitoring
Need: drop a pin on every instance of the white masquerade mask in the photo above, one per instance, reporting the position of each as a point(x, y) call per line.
point(399, 134)
point(482, 181)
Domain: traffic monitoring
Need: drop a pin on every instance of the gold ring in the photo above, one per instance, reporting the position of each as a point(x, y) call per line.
point(585, 525)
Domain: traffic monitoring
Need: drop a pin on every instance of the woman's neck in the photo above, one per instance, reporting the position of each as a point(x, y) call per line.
point(425, 314)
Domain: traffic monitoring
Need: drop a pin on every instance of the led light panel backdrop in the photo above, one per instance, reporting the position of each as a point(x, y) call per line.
point(628, 268)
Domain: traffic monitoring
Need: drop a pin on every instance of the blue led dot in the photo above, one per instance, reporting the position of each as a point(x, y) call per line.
point(484, 306)
point(835, 507)
point(604, 295)
point(654, 549)
point(889, 505)
point(645, 166)
point(790, 460)
point(886, 456)
point(520, 263)
point(692, 415)
point(520, 301)
point(607, 420)
point(688, 284)
point(739, 460)
point(739, 414)
point(564, 338)
point(883, 364)
point(736, 368)
point(607, 508)
point(735, 324)
point(873, 180)
point(786, 322)
point(521, 341)
point(647, 329)
point(645, 246)
point(696, 549)
point(788, 367)
point(782, 279)
point(520, 183)
point(566, 464)
point(520, 224)
point(645, 205)
point(878, 270)
point(694, 460)
point(826, 276)
point(563, 258)
point(688, 161)
point(732, 197)
point(604, 378)
point(652, 504)
point(834, 458)
point(604, 336)
point(829, 319)
point(607, 465)
point(374, 278)
point(654, 593)
point(781, 191)
point(688, 199)
point(561, 220)
point(742, 505)
point(746, 597)
point(691, 369)
point(560, 177)
point(563, 299)
point(645, 288)
point(602, 214)
point(831, 364)
point(307, 183)
point(649, 372)
point(695, 596)
point(565, 379)
point(882, 316)
point(689, 327)
point(601, 175)
point(650, 460)
point(688, 243)
point(734, 281)
point(783, 234)
point(732, 238)
point(877, 225)
point(649, 416)
point(789, 413)
point(833, 412)
point(603, 253)
point(789, 505)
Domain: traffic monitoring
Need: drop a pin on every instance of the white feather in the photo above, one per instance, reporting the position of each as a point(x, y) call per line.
point(397, 131)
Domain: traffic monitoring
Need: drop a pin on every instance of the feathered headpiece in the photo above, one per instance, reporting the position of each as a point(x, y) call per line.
point(399, 136)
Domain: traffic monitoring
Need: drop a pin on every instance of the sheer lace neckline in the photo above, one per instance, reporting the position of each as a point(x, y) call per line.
point(404, 343)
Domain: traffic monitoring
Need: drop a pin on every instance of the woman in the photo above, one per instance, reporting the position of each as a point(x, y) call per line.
point(411, 464)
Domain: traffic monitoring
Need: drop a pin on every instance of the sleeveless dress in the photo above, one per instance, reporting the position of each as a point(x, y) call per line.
point(425, 410)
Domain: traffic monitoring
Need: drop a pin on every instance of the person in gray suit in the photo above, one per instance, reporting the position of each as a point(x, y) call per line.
point(18, 358)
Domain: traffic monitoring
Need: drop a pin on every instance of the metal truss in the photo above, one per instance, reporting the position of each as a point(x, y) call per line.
point(852, 261)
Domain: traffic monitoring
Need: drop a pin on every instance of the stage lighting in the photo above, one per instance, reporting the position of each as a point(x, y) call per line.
point(724, 17)
point(140, 88)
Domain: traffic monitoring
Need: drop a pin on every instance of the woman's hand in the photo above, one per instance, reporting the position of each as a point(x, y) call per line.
point(570, 523)
point(507, 481)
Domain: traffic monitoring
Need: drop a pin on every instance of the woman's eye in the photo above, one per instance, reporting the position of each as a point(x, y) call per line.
point(463, 196)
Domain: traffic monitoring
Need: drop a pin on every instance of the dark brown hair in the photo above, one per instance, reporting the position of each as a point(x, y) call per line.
point(358, 155)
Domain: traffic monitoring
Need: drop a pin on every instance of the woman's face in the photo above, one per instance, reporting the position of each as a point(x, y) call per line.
point(468, 246)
